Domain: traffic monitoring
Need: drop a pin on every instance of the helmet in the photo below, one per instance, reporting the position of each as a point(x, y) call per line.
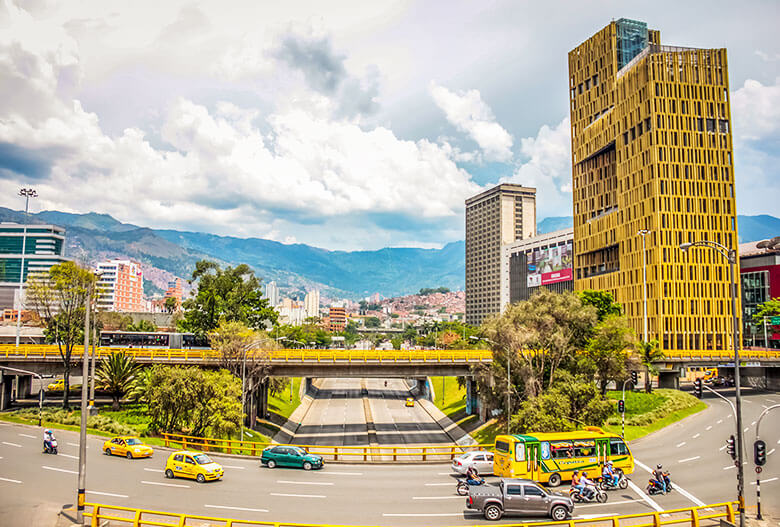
point(48, 431)
point(585, 474)
point(576, 472)
point(659, 467)
point(609, 463)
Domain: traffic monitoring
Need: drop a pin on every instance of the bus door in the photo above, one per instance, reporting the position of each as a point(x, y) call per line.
point(533, 456)
point(602, 450)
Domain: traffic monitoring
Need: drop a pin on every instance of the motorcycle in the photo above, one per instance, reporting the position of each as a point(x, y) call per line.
point(50, 447)
point(653, 487)
point(596, 495)
point(606, 483)
point(463, 487)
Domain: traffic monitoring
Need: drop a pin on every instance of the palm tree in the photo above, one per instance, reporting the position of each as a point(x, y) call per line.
point(650, 353)
point(116, 374)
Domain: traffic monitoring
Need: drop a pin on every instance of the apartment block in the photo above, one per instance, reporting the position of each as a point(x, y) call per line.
point(121, 286)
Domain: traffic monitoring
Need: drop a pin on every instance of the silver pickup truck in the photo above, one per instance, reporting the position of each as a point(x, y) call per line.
point(520, 497)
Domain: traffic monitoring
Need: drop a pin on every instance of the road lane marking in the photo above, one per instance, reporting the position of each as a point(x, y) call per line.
point(680, 444)
point(728, 467)
point(697, 435)
point(764, 481)
point(297, 495)
point(437, 497)
point(709, 428)
point(10, 480)
point(677, 487)
point(719, 421)
point(420, 514)
point(235, 508)
point(154, 470)
point(723, 448)
point(233, 466)
point(602, 504)
point(437, 484)
point(59, 469)
point(451, 473)
point(753, 423)
point(27, 435)
point(689, 459)
point(165, 484)
point(107, 494)
point(343, 473)
point(12, 444)
point(768, 453)
point(747, 428)
point(68, 455)
point(650, 501)
point(304, 482)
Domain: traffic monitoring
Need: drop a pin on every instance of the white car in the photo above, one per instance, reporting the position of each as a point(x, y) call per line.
point(479, 459)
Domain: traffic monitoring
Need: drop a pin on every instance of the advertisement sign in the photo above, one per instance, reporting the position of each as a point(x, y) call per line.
point(551, 265)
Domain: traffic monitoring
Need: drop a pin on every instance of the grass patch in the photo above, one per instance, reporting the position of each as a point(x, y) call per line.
point(282, 403)
point(450, 397)
point(486, 434)
point(647, 413)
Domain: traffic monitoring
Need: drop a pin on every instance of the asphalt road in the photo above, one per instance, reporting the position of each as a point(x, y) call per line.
point(34, 485)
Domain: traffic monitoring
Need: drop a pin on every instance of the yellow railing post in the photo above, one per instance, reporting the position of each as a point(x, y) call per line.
point(424, 452)
point(656, 519)
point(95, 513)
point(336, 454)
point(694, 517)
point(730, 512)
point(395, 454)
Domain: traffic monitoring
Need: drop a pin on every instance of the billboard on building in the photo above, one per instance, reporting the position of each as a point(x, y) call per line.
point(551, 265)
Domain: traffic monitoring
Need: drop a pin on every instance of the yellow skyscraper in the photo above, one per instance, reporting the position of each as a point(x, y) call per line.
point(652, 154)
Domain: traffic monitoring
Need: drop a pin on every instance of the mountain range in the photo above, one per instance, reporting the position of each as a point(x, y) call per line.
point(390, 272)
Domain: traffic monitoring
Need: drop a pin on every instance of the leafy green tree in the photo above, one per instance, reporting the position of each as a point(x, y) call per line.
point(372, 322)
point(138, 390)
point(610, 350)
point(396, 342)
point(770, 308)
point(649, 354)
point(143, 326)
point(59, 297)
point(232, 294)
point(217, 407)
point(603, 301)
point(116, 374)
point(171, 304)
point(430, 290)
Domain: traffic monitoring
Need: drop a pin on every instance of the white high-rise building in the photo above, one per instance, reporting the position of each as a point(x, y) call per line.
point(272, 294)
point(312, 304)
point(121, 286)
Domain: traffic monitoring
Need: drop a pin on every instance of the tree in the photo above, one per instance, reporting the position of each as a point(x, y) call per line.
point(143, 326)
point(232, 294)
point(372, 322)
point(649, 354)
point(59, 298)
point(232, 340)
point(117, 374)
point(217, 405)
point(770, 308)
point(603, 301)
point(609, 350)
point(171, 304)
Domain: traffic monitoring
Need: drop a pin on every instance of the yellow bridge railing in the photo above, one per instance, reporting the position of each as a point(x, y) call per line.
point(722, 355)
point(428, 452)
point(690, 517)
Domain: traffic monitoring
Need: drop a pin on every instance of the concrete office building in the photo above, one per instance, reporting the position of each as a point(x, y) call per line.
point(43, 248)
point(652, 150)
point(272, 294)
point(544, 260)
point(121, 285)
point(311, 304)
point(498, 216)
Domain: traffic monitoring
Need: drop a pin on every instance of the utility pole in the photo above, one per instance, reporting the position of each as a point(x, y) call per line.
point(82, 484)
point(27, 193)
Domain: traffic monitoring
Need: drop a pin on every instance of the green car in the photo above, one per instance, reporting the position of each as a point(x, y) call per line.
point(290, 456)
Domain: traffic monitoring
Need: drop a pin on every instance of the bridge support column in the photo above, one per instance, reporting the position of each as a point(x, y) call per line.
point(424, 390)
point(472, 397)
point(24, 387)
point(5, 391)
point(773, 378)
point(669, 379)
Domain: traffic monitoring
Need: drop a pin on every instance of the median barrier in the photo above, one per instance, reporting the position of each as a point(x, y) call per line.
point(346, 454)
point(703, 516)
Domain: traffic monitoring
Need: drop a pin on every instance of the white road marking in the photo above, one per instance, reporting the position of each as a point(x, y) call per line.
point(68, 455)
point(437, 497)
point(298, 495)
point(233, 466)
point(235, 508)
point(437, 484)
point(304, 482)
point(602, 504)
point(723, 448)
point(728, 467)
point(154, 470)
point(680, 444)
point(10, 480)
point(650, 501)
point(768, 453)
point(12, 444)
point(27, 435)
point(344, 473)
point(709, 428)
point(677, 487)
point(765, 481)
point(75, 444)
point(420, 515)
point(689, 459)
point(107, 494)
point(697, 435)
point(719, 421)
point(747, 428)
point(59, 469)
point(753, 423)
point(165, 484)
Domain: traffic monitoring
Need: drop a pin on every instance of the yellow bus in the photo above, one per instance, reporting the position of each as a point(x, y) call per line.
point(552, 457)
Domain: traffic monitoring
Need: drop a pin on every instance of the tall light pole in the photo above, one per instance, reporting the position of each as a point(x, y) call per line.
point(643, 233)
point(27, 193)
point(243, 375)
point(82, 484)
point(508, 379)
point(731, 256)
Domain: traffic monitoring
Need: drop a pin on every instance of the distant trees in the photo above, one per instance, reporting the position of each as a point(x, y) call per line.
point(143, 326)
point(171, 304)
point(232, 294)
point(430, 290)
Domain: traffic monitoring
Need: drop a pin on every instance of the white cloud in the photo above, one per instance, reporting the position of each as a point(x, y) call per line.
point(767, 57)
point(471, 115)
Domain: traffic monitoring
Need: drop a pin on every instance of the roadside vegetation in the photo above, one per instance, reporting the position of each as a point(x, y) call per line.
point(649, 412)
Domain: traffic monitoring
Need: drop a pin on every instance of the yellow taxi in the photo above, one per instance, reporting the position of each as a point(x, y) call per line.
point(59, 386)
point(410, 401)
point(128, 446)
point(193, 465)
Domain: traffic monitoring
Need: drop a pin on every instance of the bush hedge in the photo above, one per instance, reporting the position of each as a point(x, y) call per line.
point(673, 401)
point(73, 418)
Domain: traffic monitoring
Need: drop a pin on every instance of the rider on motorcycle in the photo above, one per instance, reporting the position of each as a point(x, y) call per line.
point(589, 488)
point(661, 478)
point(609, 474)
point(472, 477)
point(48, 437)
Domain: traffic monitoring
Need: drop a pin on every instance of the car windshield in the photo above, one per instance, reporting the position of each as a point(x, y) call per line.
point(203, 459)
point(298, 451)
point(133, 441)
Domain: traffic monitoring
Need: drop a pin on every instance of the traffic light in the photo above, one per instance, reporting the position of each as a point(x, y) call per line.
point(731, 447)
point(634, 378)
point(697, 388)
point(621, 406)
point(759, 452)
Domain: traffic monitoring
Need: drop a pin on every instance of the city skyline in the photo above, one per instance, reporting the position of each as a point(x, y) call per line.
point(235, 142)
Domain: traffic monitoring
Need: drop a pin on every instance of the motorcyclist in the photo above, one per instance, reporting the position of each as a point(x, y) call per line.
point(48, 437)
point(588, 486)
point(472, 477)
point(661, 478)
point(609, 474)
point(575, 481)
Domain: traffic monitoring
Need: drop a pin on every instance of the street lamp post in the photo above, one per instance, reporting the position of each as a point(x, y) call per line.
point(731, 256)
point(243, 375)
point(643, 233)
point(82, 481)
point(508, 379)
point(27, 193)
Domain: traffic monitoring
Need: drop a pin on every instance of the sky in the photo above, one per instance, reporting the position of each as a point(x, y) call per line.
point(344, 125)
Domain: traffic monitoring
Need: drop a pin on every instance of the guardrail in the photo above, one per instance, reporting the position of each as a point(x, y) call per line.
point(428, 452)
point(44, 351)
point(691, 516)
point(727, 355)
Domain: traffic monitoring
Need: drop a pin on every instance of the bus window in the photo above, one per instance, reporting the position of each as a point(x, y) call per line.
point(562, 449)
point(520, 452)
point(617, 447)
point(584, 448)
point(502, 446)
point(545, 449)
